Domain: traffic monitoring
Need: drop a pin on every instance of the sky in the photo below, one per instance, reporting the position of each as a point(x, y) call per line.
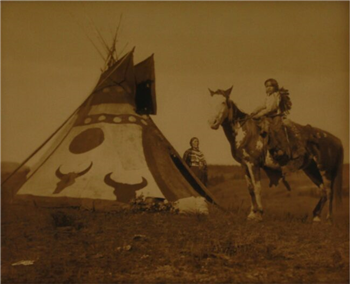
point(49, 65)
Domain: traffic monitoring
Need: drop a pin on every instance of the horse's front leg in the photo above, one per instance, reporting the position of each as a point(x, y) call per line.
point(254, 186)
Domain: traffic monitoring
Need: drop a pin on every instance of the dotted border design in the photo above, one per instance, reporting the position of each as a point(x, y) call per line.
point(110, 118)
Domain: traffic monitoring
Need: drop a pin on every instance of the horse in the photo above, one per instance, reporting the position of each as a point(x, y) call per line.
point(322, 162)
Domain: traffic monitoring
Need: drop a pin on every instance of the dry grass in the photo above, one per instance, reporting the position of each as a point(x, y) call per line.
point(74, 246)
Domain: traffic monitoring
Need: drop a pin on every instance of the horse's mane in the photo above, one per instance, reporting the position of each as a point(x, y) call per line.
point(237, 113)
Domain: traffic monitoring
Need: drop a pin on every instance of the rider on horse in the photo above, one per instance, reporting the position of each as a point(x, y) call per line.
point(272, 117)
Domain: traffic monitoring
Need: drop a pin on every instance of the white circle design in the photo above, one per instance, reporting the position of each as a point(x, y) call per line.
point(87, 120)
point(117, 119)
point(132, 119)
point(102, 117)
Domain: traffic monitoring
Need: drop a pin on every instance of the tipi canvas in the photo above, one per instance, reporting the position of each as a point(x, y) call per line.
point(111, 152)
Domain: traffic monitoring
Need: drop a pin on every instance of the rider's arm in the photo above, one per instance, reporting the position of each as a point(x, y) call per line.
point(258, 109)
point(272, 104)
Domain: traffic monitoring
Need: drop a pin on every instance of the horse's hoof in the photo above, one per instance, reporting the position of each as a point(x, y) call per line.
point(317, 219)
point(256, 217)
point(251, 216)
point(329, 220)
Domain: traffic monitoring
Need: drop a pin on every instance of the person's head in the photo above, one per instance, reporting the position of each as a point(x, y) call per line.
point(271, 86)
point(194, 142)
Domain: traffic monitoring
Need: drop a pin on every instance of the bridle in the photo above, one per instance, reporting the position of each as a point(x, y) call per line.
point(231, 115)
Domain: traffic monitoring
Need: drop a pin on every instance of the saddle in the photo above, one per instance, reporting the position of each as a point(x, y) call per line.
point(285, 141)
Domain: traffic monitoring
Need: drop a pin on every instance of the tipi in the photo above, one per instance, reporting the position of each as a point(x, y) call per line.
point(110, 150)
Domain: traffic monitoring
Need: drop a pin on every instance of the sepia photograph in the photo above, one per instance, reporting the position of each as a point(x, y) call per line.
point(174, 142)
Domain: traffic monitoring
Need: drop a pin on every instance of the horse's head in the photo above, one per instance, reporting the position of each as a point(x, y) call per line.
point(220, 105)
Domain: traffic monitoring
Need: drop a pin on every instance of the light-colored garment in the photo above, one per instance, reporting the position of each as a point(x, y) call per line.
point(271, 105)
point(196, 161)
point(194, 158)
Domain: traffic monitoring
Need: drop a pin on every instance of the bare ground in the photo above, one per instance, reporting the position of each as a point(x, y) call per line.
point(68, 245)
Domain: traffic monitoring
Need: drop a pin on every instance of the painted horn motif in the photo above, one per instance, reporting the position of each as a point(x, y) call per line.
point(68, 179)
point(123, 191)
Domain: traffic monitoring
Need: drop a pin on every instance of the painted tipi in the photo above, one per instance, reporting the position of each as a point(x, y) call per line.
point(111, 152)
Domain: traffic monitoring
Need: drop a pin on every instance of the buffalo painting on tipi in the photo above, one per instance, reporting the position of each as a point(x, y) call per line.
point(110, 151)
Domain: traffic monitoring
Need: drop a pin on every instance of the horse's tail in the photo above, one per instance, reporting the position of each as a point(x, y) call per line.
point(337, 183)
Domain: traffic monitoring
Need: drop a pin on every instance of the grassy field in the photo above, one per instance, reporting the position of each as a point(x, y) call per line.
point(69, 245)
